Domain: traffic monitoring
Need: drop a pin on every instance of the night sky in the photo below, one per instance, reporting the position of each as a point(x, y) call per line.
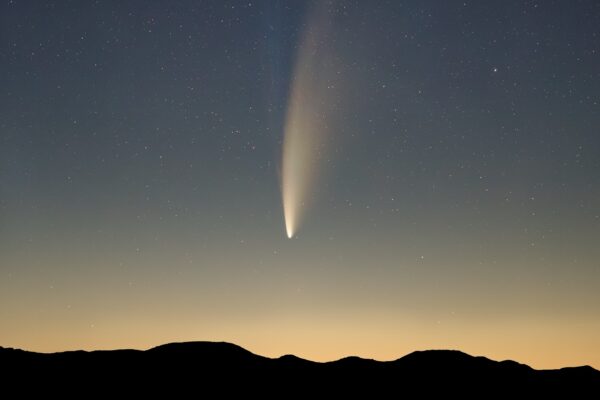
point(456, 202)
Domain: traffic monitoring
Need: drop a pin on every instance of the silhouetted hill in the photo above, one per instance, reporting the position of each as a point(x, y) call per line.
point(230, 369)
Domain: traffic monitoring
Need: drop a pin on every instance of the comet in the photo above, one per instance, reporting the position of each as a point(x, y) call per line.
point(306, 128)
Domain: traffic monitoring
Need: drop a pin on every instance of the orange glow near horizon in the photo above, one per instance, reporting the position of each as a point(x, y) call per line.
point(312, 313)
point(319, 340)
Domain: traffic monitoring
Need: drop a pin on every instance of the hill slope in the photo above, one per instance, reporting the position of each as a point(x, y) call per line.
point(231, 369)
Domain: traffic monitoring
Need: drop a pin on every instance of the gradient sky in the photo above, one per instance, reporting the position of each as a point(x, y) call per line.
point(458, 202)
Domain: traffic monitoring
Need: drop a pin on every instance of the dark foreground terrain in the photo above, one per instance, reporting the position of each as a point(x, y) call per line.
point(205, 368)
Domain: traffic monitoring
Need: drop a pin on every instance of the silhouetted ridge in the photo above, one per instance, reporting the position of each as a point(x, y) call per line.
point(212, 356)
point(204, 349)
point(232, 369)
point(446, 359)
point(290, 359)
